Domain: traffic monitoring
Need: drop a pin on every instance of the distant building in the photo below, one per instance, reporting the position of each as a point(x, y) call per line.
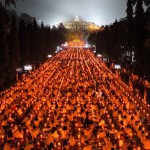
point(79, 29)
point(77, 24)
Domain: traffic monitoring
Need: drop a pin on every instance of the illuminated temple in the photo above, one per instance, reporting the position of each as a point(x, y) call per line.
point(79, 29)
point(77, 24)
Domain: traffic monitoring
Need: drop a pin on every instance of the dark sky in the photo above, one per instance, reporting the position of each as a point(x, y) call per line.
point(52, 12)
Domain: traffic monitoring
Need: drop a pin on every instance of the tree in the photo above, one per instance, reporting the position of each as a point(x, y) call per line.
point(23, 43)
point(92, 38)
point(27, 18)
point(14, 49)
point(57, 38)
point(146, 2)
point(3, 47)
point(9, 2)
point(129, 11)
point(147, 42)
point(35, 42)
point(140, 20)
point(29, 39)
point(140, 36)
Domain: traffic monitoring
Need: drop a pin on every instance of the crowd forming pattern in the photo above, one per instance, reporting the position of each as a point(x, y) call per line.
point(73, 102)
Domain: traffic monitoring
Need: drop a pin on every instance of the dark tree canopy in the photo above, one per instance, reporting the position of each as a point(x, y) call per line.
point(23, 42)
point(127, 41)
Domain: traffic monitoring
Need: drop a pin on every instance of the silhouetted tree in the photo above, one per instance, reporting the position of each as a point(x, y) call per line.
point(23, 43)
point(92, 38)
point(29, 38)
point(35, 42)
point(27, 18)
point(101, 42)
point(130, 37)
point(3, 47)
point(14, 56)
point(119, 40)
point(9, 2)
point(140, 37)
point(57, 38)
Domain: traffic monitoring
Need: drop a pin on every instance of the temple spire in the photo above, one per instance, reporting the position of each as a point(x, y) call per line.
point(76, 18)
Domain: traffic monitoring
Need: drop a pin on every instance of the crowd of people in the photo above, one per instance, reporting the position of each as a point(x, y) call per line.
point(72, 102)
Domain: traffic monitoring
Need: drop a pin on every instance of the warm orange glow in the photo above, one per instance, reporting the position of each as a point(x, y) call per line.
point(76, 43)
point(74, 98)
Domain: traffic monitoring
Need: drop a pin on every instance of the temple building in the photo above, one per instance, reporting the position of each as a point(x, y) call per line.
point(77, 24)
point(79, 30)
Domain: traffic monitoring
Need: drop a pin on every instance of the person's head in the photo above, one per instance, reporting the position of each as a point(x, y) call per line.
point(5, 117)
point(87, 142)
point(132, 118)
point(10, 133)
point(53, 130)
point(130, 148)
point(64, 128)
point(50, 146)
point(36, 118)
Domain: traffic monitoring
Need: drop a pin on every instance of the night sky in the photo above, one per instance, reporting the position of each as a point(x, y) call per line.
point(52, 12)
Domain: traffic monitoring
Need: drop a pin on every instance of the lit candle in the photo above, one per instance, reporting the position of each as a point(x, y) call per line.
point(59, 144)
point(38, 144)
point(120, 143)
point(99, 144)
point(79, 129)
point(79, 144)
point(130, 134)
point(112, 125)
point(143, 128)
point(18, 144)
point(21, 137)
point(2, 137)
point(79, 136)
point(41, 136)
